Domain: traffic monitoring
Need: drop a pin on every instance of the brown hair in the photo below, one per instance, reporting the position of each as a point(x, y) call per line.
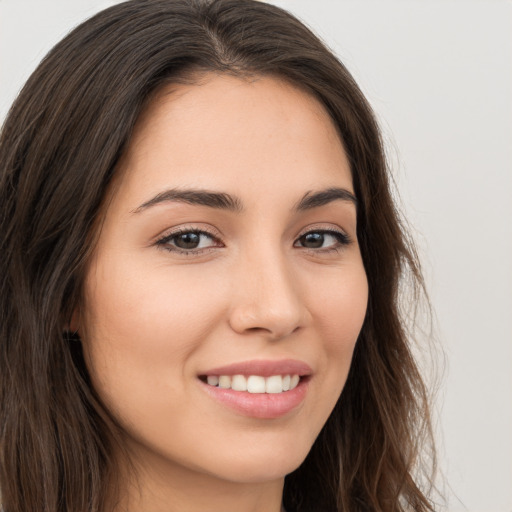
point(58, 151)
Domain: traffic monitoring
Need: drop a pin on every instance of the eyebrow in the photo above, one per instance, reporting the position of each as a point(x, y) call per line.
point(199, 197)
point(315, 199)
point(224, 201)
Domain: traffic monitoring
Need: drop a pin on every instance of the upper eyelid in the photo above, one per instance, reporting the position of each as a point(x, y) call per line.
point(323, 227)
point(324, 230)
point(209, 231)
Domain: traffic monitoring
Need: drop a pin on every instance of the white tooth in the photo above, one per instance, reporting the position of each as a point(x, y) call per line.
point(256, 384)
point(294, 381)
point(274, 384)
point(225, 381)
point(286, 382)
point(213, 380)
point(239, 383)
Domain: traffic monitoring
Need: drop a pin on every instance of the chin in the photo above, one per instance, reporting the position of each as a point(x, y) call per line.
point(262, 463)
point(270, 470)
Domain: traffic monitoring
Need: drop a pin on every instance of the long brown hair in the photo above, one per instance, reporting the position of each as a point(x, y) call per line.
point(58, 152)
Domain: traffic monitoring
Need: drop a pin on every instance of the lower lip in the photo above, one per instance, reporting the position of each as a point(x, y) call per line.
point(260, 405)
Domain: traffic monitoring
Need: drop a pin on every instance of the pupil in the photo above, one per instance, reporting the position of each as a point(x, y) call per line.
point(188, 241)
point(313, 240)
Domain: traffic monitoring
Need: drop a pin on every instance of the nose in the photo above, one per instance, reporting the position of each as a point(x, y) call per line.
point(266, 298)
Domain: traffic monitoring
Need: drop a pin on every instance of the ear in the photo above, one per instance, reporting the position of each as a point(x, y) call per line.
point(74, 324)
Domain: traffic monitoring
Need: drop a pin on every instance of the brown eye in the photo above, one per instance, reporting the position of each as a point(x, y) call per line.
point(312, 240)
point(191, 240)
point(187, 240)
point(322, 240)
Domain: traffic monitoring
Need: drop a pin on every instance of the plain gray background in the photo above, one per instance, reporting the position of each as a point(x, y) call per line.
point(439, 75)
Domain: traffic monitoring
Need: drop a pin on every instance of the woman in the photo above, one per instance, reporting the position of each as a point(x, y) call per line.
point(200, 274)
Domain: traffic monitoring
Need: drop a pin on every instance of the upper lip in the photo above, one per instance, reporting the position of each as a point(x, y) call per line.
point(263, 367)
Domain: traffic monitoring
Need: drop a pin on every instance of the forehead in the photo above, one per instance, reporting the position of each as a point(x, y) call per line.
point(257, 136)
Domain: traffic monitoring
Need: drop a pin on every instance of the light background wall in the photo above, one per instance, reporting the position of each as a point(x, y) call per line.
point(439, 75)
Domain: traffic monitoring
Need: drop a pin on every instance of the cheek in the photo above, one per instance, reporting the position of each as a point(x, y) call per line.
point(143, 320)
point(141, 306)
point(340, 311)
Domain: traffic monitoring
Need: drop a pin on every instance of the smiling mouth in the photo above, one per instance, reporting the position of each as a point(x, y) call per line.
point(257, 384)
point(259, 389)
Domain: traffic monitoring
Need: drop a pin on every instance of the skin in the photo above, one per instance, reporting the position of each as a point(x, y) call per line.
point(155, 317)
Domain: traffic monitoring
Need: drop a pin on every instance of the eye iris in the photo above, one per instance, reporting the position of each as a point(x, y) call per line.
point(313, 240)
point(187, 240)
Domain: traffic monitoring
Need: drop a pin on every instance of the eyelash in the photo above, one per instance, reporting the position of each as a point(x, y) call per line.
point(342, 240)
point(165, 242)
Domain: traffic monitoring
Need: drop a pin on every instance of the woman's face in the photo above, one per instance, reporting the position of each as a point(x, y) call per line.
point(228, 254)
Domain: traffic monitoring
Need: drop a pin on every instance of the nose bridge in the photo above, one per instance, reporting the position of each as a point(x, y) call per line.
point(268, 297)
